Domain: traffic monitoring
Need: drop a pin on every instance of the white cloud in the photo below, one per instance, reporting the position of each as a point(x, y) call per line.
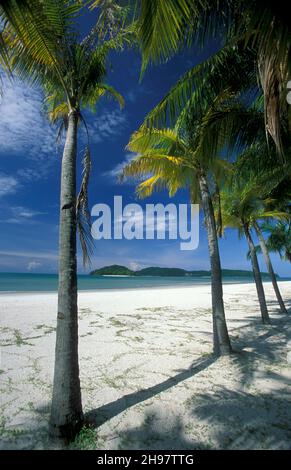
point(119, 167)
point(25, 212)
point(24, 129)
point(134, 266)
point(8, 185)
point(33, 265)
point(30, 254)
point(108, 125)
point(32, 175)
point(134, 94)
point(20, 215)
point(148, 219)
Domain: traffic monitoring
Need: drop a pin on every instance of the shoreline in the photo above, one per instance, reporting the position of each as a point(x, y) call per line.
point(147, 369)
point(150, 288)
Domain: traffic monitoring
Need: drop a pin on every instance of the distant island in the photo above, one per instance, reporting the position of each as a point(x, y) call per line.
point(117, 270)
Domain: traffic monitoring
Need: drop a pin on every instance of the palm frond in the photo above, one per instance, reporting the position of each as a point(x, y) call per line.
point(112, 17)
point(83, 213)
point(35, 30)
point(199, 86)
point(258, 251)
point(102, 89)
point(144, 138)
point(162, 26)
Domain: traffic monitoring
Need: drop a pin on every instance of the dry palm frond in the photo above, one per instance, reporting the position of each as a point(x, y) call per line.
point(271, 81)
point(83, 213)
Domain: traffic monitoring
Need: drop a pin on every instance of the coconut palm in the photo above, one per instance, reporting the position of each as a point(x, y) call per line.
point(176, 158)
point(112, 17)
point(243, 203)
point(279, 238)
point(265, 252)
point(164, 27)
point(238, 204)
point(72, 74)
point(258, 163)
point(198, 136)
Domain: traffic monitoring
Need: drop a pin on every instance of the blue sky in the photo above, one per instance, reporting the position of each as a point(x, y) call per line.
point(30, 175)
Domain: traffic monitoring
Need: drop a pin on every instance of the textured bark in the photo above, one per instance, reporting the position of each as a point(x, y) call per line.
point(221, 341)
point(219, 215)
point(66, 412)
point(257, 276)
point(270, 267)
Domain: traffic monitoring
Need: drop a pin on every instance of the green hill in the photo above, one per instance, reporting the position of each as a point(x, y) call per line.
point(155, 271)
point(114, 270)
point(117, 270)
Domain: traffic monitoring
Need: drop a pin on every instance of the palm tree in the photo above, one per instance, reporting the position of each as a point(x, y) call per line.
point(265, 251)
point(71, 73)
point(239, 202)
point(87, 73)
point(279, 239)
point(164, 27)
point(112, 17)
point(175, 159)
point(258, 163)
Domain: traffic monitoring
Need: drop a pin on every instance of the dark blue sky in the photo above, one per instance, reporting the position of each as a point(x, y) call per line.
point(30, 175)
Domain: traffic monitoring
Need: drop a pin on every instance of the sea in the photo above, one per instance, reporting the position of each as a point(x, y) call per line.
point(31, 282)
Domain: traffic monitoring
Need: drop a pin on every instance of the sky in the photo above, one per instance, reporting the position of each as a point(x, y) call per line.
point(30, 162)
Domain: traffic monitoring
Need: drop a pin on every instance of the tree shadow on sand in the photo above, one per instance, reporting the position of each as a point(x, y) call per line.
point(249, 413)
point(100, 415)
point(274, 304)
point(231, 420)
point(260, 345)
point(243, 417)
point(246, 417)
point(244, 420)
point(157, 433)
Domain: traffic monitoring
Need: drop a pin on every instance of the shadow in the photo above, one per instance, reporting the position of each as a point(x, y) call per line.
point(275, 304)
point(255, 336)
point(100, 415)
point(157, 433)
point(258, 345)
point(31, 433)
point(279, 377)
point(233, 407)
point(242, 420)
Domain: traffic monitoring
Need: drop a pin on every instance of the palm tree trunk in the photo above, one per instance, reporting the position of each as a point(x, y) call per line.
point(269, 267)
point(66, 412)
point(221, 341)
point(257, 276)
point(219, 215)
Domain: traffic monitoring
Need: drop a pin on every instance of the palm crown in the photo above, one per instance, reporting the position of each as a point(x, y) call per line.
point(260, 27)
point(71, 71)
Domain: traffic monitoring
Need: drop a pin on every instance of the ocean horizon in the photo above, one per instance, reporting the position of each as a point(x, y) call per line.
point(40, 282)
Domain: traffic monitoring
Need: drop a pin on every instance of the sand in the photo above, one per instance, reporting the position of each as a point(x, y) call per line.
point(149, 380)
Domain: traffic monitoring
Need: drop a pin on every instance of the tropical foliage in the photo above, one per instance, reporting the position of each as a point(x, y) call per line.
point(220, 108)
point(263, 27)
point(247, 200)
point(43, 46)
point(279, 238)
point(183, 157)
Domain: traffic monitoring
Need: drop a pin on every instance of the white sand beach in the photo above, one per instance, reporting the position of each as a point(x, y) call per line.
point(148, 378)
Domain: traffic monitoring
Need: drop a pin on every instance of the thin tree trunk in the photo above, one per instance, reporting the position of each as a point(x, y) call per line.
point(257, 276)
point(219, 215)
point(270, 267)
point(221, 341)
point(66, 412)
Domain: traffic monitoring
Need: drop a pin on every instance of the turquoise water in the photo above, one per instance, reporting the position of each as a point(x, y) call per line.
point(27, 282)
point(14, 282)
